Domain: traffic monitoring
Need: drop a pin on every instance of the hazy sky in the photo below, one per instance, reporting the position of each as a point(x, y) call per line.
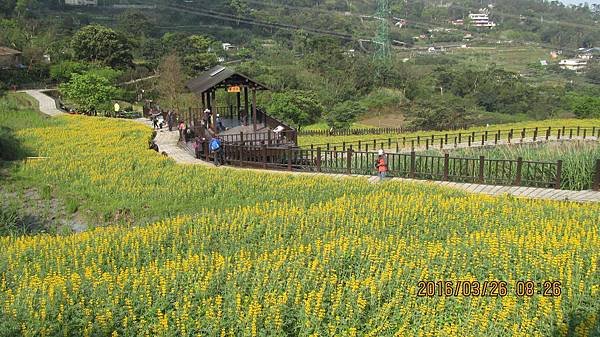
point(577, 2)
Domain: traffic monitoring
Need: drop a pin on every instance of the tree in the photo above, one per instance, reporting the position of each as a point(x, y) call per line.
point(170, 86)
point(135, 23)
point(439, 112)
point(194, 50)
point(103, 45)
point(343, 114)
point(89, 91)
point(240, 8)
point(584, 106)
point(593, 73)
point(297, 107)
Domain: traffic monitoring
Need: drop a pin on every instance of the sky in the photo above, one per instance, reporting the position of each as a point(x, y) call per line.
point(577, 2)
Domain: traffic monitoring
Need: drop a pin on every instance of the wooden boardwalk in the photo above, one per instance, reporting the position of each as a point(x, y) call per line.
point(167, 142)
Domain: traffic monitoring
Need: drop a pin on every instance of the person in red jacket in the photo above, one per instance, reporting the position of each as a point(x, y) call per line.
point(381, 165)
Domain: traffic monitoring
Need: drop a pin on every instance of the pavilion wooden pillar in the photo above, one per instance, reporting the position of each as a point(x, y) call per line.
point(239, 104)
point(203, 101)
point(254, 121)
point(246, 109)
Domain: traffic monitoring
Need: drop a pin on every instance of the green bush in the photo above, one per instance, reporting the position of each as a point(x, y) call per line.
point(584, 106)
point(343, 114)
point(12, 222)
point(10, 147)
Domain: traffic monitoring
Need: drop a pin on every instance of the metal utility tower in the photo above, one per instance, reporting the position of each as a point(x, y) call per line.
point(383, 33)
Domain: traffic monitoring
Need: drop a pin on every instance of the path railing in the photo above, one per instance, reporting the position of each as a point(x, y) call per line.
point(481, 170)
point(445, 140)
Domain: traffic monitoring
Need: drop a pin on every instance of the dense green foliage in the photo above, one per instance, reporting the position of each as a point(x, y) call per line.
point(336, 70)
point(89, 91)
point(299, 108)
point(102, 45)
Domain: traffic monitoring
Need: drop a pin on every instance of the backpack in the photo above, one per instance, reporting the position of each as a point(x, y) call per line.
point(215, 144)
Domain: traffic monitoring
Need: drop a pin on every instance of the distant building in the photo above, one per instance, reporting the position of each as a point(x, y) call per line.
point(459, 22)
point(576, 65)
point(589, 53)
point(9, 58)
point(481, 20)
point(228, 46)
point(81, 2)
point(400, 23)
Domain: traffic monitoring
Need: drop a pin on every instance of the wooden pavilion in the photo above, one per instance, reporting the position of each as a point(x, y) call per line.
point(219, 77)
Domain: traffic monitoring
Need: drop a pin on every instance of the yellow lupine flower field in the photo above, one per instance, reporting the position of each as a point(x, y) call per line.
point(245, 253)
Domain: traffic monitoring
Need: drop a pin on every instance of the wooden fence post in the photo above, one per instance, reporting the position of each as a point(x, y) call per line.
point(206, 151)
point(412, 164)
point(596, 184)
point(441, 143)
point(482, 140)
point(469, 140)
point(446, 139)
point(349, 161)
point(496, 139)
point(481, 166)
point(427, 144)
point(264, 155)
point(584, 132)
point(319, 159)
point(578, 131)
point(558, 173)
point(571, 133)
point(460, 137)
point(548, 132)
point(486, 135)
point(518, 171)
point(446, 166)
point(289, 158)
point(412, 145)
point(558, 135)
point(535, 133)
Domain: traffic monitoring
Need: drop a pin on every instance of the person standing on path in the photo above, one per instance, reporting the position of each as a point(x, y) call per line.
point(155, 122)
point(216, 147)
point(381, 165)
point(170, 120)
point(206, 118)
point(181, 128)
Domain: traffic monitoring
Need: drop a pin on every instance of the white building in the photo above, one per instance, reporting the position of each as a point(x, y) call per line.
point(228, 46)
point(81, 2)
point(573, 64)
point(481, 20)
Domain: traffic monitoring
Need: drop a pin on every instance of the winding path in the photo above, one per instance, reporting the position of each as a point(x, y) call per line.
point(167, 142)
point(47, 104)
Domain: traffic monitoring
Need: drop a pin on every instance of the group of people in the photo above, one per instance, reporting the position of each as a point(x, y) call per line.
point(207, 121)
point(158, 120)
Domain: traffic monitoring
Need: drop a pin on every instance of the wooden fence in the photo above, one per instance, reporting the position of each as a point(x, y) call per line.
point(485, 137)
point(481, 170)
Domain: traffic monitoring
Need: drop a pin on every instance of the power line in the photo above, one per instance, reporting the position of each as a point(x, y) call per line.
point(250, 21)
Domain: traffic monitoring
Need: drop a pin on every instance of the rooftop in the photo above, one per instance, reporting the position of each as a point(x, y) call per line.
point(221, 77)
